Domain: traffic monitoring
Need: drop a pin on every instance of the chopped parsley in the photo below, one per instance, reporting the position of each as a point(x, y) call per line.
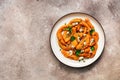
point(92, 48)
point(68, 29)
point(92, 30)
point(72, 38)
point(78, 52)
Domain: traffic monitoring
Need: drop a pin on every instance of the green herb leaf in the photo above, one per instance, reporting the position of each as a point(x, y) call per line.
point(72, 38)
point(91, 31)
point(92, 48)
point(78, 52)
point(68, 29)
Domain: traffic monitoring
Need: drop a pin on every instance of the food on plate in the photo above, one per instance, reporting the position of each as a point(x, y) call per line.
point(78, 39)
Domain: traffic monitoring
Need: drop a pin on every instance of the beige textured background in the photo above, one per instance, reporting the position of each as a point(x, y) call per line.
point(25, 27)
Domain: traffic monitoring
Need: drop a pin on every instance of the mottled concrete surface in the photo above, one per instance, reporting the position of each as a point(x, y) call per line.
point(25, 27)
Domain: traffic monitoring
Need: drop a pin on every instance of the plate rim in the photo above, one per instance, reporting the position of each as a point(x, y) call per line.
point(70, 14)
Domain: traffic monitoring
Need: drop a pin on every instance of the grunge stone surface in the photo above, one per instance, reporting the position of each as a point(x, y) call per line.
point(25, 27)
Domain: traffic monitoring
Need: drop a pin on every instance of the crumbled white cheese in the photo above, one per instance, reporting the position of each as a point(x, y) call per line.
point(84, 35)
point(75, 23)
point(67, 32)
point(91, 41)
point(82, 50)
point(78, 39)
point(80, 58)
point(72, 46)
point(62, 32)
point(81, 30)
point(84, 43)
point(70, 52)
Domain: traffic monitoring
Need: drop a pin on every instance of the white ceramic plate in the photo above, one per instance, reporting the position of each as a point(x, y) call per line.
point(56, 49)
